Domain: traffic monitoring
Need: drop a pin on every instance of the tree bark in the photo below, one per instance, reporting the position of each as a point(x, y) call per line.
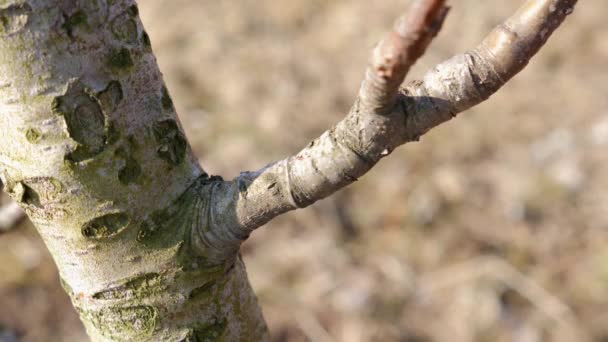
point(91, 148)
point(145, 241)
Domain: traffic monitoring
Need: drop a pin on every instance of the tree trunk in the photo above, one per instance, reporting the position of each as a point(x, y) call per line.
point(145, 241)
point(93, 151)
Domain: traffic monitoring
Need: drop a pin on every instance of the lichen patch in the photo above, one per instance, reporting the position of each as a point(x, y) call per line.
point(119, 59)
point(172, 144)
point(105, 226)
point(124, 28)
point(14, 18)
point(33, 135)
point(71, 22)
point(137, 287)
point(85, 113)
point(132, 323)
point(111, 96)
point(85, 122)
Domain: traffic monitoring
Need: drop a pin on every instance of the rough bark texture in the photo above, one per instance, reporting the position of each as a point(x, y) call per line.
point(385, 117)
point(146, 242)
point(91, 148)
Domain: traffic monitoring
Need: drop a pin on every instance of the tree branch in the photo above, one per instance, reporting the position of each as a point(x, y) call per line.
point(468, 79)
point(397, 52)
point(385, 117)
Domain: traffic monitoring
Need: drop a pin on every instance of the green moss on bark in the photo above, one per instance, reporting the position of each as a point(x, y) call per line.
point(105, 226)
point(213, 332)
point(84, 119)
point(145, 39)
point(172, 144)
point(119, 59)
point(166, 99)
point(111, 96)
point(124, 28)
point(14, 18)
point(138, 287)
point(32, 135)
point(132, 323)
point(79, 18)
point(131, 171)
point(133, 10)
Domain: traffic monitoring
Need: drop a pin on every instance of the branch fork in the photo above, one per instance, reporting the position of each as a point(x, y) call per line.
point(387, 115)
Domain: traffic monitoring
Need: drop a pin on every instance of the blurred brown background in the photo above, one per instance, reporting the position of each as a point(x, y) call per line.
point(493, 228)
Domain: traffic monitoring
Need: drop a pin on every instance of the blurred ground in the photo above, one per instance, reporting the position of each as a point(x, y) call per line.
point(493, 228)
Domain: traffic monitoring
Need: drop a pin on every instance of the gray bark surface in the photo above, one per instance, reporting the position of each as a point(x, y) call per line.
point(145, 241)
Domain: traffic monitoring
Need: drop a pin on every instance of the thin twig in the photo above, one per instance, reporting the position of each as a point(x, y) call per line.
point(384, 116)
point(398, 51)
